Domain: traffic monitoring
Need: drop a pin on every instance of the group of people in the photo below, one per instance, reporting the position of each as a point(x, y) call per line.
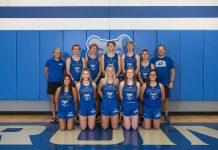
point(87, 86)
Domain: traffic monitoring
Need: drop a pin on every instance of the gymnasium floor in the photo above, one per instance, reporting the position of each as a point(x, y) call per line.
point(34, 132)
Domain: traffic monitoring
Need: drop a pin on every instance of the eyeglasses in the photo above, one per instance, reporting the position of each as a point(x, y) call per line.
point(152, 75)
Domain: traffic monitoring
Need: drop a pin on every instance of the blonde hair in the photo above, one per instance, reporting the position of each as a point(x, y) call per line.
point(81, 76)
point(130, 42)
point(114, 77)
point(58, 49)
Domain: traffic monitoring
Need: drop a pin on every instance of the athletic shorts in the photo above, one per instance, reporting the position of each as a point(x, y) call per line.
point(109, 108)
point(151, 113)
point(130, 109)
point(52, 87)
point(66, 114)
point(87, 109)
point(167, 92)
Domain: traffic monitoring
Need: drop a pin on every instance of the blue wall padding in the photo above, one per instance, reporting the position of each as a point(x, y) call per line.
point(8, 75)
point(211, 65)
point(192, 49)
point(28, 65)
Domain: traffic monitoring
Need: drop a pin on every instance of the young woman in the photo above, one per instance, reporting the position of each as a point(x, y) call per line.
point(152, 94)
point(65, 97)
point(129, 91)
point(111, 58)
point(75, 64)
point(86, 92)
point(107, 89)
point(130, 59)
point(54, 71)
point(94, 65)
point(145, 67)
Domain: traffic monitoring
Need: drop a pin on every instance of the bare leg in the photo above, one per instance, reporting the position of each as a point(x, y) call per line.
point(104, 121)
point(126, 122)
point(134, 122)
point(91, 121)
point(146, 123)
point(70, 124)
point(156, 124)
point(83, 122)
point(62, 124)
point(114, 121)
point(53, 105)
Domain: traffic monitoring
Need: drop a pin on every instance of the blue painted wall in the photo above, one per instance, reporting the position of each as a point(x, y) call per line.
point(24, 54)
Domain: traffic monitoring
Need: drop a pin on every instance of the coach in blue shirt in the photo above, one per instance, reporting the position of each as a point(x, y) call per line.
point(166, 72)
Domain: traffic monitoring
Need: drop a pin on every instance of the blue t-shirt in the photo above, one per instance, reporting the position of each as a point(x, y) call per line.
point(152, 96)
point(163, 67)
point(130, 62)
point(93, 66)
point(76, 68)
point(111, 61)
point(66, 102)
point(144, 72)
point(55, 70)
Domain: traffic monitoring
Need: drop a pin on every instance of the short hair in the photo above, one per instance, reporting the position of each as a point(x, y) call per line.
point(145, 50)
point(130, 42)
point(112, 42)
point(76, 45)
point(161, 45)
point(93, 45)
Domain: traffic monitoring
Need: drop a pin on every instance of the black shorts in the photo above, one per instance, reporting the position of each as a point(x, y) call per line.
point(167, 92)
point(52, 87)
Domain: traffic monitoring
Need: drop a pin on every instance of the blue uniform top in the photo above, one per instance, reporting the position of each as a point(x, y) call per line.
point(130, 61)
point(86, 93)
point(152, 96)
point(163, 67)
point(76, 68)
point(55, 70)
point(93, 66)
point(66, 102)
point(129, 93)
point(110, 93)
point(144, 72)
point(111, 61)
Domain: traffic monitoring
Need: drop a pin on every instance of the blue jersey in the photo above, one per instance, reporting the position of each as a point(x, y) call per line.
point(110, 93)
point(93, 66)
point(130, 62)
point(76, 68)
point(144, 72)
point(129, 93)
point(163, 67)
point(55, 70)
point(66, 102)
point(111, 61)
point(152, 96)
point(86, 93)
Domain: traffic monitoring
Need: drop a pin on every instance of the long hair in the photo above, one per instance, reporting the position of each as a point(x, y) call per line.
point(81, 76)
point(134, 75)
point(63, 86)
point(58, 49)
point(114, 76)
point(149, 82)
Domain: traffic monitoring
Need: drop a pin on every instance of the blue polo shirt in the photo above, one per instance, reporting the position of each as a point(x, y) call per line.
point(55, 70)
point(163, 67)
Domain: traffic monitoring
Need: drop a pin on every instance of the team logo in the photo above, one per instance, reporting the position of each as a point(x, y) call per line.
point(129, 65)
point(144, 75)
point(160, 63)
point(110, 94)
point(87, 97)
point(102, 43)
point(129, 96)
point(93, 67)
point(64, 103)
point(77, 69)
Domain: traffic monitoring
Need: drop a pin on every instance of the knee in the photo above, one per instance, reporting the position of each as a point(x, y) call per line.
point(135, 127)
point(62, 128)
point(157, 127)
point(91, 127)
point(104, 126)
point(82, 127)
point(114, 126)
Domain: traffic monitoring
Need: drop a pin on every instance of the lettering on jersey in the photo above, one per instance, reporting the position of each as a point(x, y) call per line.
point(160, 63)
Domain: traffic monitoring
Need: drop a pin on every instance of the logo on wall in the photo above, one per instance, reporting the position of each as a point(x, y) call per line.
point(102, 43)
